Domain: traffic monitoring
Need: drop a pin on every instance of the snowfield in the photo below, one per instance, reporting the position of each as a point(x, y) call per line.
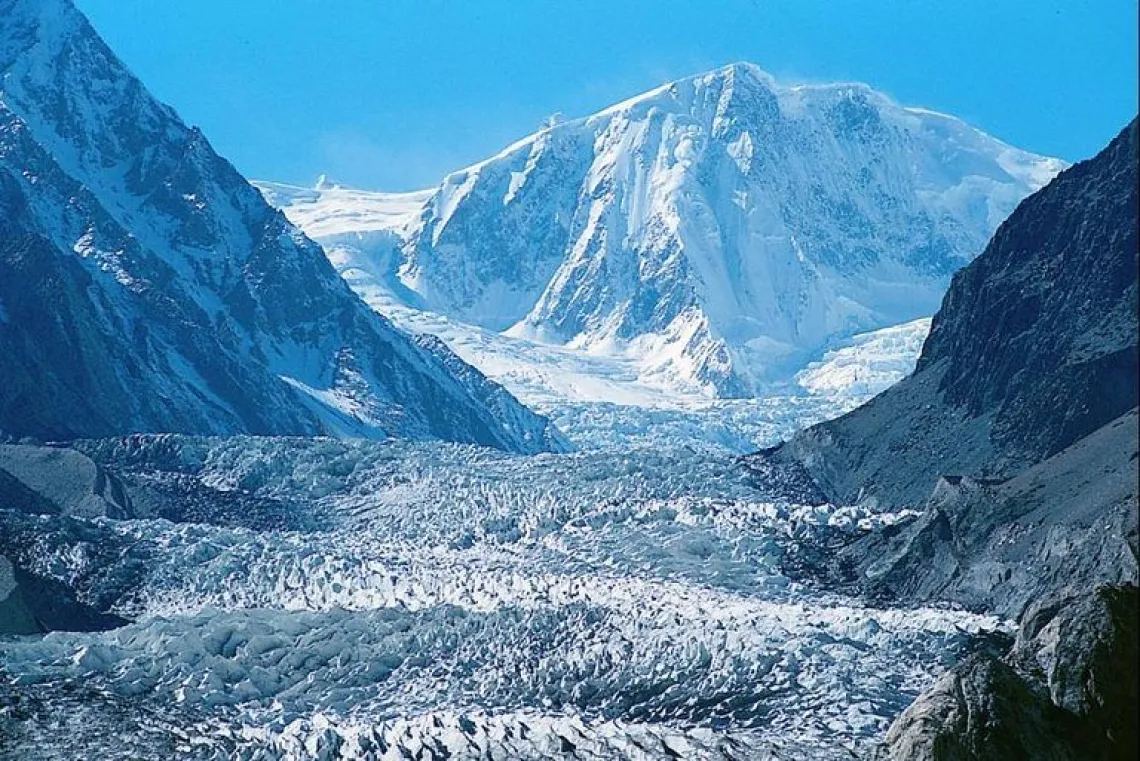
point(441, 601)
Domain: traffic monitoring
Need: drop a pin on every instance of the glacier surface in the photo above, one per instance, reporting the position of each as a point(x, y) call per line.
point(445, 601)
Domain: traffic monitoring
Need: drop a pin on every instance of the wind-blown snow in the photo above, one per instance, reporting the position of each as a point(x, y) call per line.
point(327, 210)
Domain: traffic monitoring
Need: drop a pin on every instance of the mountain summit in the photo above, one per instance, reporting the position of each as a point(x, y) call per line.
point(720, 228)
point(146, 286)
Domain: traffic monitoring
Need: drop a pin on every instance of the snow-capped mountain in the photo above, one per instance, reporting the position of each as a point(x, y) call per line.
point(597, 400)
point(718, 231)
point(146, 286)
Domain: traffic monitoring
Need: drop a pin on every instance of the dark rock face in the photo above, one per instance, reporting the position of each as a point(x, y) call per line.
point(1018, 433)
point(15, 615)
point(1085, 648)
point(1068, 690)
point(145, 286)
point(1041, 329)
point(982, 710)
point(1034, 348)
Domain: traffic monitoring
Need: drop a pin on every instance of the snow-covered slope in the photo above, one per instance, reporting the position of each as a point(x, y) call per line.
point(602, 400)
point(146, 286)
point(867, 363)
point(717, 232)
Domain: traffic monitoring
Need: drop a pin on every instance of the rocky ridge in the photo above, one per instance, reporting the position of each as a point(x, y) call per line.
point(1017, 436)
point(146, 286)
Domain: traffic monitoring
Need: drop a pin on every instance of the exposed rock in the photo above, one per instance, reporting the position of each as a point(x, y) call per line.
point(1068, 690)
point(982, 710)
point(145, 286)
point(1085, 649)
point(15, 617)
point(1034, 348)
point(59, 480)
point(1067, 522)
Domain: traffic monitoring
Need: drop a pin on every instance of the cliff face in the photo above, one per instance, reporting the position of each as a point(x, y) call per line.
point(1034, 348)
point(1041, 329)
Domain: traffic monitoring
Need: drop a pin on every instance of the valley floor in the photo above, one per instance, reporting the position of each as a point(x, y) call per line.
point(320, 599)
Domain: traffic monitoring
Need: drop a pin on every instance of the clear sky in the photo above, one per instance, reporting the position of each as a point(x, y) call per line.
point(393, 94)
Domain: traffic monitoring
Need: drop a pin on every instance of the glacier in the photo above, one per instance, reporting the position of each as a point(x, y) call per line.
point(436, 600)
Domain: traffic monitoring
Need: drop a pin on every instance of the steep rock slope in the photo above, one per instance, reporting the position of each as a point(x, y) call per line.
point(1035, 347)
point(1069, 522)
point(1022, 416)
point(146, 286)
point(719, 228)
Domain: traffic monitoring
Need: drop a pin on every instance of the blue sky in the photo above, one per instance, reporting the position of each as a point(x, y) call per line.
point(393, 94)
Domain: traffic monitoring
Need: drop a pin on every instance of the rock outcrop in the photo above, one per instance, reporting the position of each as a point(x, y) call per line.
point(1066, 692)
point(58, 480)
point(15, 616)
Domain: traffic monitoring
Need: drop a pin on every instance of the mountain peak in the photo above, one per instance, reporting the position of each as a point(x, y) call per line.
point(181, 301)
point(743, 70)
point(719, 226)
